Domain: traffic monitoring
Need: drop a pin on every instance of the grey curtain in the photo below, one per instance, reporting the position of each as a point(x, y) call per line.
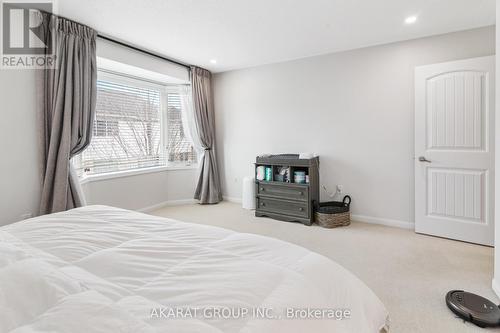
point(208, 190)
point(67, 113)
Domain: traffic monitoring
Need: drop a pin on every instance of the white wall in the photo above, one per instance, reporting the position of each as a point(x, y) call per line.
point(144, 190)
point(137, 63)
point(19, 172)
point(496, 278)
point(355, 109)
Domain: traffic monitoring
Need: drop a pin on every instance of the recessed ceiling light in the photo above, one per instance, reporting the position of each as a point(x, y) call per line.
point(213, 61)
point(411, 19)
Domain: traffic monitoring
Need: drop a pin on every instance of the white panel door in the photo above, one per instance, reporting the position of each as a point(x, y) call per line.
point(454, 149)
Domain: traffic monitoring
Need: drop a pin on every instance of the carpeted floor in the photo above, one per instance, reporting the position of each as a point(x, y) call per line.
point(410, 273)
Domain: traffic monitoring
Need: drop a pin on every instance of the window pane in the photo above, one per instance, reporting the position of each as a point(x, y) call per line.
point(127, 128)
point(180, 149)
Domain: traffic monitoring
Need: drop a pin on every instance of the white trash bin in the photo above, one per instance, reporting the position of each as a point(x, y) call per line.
point(248, 200)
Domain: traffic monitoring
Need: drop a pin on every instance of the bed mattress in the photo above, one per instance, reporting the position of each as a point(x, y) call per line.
point(103, 269)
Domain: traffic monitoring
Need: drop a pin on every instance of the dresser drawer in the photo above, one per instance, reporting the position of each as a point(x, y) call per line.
point(291, 208)
point(288, 191)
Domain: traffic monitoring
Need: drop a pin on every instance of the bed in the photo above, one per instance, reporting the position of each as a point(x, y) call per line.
point(103, 269)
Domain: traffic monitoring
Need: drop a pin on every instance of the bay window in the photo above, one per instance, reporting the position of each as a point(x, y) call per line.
point(138, 124)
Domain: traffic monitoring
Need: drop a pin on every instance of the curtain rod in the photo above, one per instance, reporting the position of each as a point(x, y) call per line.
point(113, 40)
point(110, 39)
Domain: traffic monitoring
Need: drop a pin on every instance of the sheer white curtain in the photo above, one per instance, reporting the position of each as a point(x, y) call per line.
point(188, 120)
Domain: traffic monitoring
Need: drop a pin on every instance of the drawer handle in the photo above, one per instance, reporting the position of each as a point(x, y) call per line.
point(262, 189)
point(301, 209)
point(301, 193)
point(262, 204)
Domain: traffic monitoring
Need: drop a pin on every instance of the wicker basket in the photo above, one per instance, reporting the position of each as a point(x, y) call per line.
point(332, 220)
point(333, 214)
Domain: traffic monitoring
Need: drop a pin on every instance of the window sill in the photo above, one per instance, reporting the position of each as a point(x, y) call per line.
point(130, 173)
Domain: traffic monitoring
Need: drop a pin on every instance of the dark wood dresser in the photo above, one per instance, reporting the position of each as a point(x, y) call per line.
point(284, 199)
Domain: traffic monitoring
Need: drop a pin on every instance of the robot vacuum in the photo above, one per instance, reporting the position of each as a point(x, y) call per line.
point(473, 308)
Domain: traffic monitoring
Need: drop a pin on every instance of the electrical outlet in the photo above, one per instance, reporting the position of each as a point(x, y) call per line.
point(26, 216)
point(340, 189)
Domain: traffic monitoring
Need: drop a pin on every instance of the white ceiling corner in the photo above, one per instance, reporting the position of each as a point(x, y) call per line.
point(242, 33)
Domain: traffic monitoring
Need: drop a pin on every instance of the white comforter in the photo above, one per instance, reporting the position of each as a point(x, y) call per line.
point(102, 269)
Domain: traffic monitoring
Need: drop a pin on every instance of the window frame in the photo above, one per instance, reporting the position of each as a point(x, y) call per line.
point(169, 88)
point(165, 88)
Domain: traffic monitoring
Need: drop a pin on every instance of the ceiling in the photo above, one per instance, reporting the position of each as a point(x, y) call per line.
point(246, 33)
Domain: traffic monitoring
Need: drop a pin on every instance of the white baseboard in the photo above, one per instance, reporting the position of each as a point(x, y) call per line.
point(355, 217)
point(167, 203)
point(383, 221)
point(496, 287)
point(232, 199)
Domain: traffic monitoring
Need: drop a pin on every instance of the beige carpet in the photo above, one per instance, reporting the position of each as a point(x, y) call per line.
point(410, 273)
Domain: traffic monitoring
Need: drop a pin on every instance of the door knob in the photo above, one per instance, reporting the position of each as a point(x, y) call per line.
point(423, 159)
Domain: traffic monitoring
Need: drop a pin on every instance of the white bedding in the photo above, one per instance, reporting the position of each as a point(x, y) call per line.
point(102, 269)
